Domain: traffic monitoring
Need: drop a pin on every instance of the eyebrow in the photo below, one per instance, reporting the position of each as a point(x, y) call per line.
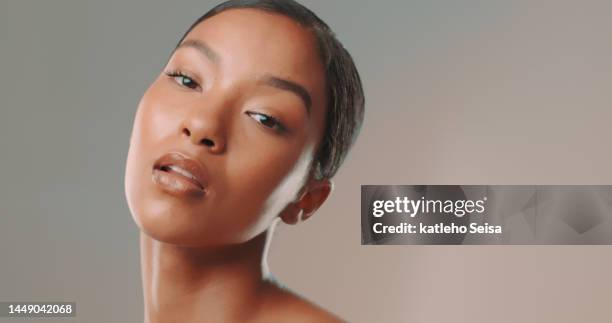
point(202, 47)
point(290, 86)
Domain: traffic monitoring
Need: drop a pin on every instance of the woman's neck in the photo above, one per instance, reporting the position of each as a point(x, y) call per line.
point(193, 285)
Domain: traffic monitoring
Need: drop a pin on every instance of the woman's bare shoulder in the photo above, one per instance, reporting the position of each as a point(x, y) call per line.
point(280, 304)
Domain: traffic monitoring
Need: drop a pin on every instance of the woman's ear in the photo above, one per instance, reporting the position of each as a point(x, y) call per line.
point(314, 194)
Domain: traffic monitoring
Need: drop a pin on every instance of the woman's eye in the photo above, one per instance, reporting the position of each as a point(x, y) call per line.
point(267, 121)
point(183, 80)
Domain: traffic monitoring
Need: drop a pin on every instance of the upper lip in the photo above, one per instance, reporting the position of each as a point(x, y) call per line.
point(191, 166)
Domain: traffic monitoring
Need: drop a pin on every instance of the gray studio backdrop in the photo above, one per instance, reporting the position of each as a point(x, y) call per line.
point(458, 92)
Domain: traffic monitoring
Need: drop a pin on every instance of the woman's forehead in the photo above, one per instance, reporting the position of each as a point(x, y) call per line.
point(260, 39)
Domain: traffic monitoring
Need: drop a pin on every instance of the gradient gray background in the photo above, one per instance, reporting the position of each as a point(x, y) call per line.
point(458, 92)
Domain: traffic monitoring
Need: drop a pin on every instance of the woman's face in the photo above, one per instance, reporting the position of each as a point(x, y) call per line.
point(223, 138)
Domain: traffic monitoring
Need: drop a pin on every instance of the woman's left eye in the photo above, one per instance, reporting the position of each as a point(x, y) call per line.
point(267, 121)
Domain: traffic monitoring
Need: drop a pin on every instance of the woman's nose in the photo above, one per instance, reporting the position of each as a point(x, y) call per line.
point(204, 128)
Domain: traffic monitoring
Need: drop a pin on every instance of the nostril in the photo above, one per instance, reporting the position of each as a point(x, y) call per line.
point(186, 132)
point(208, 142)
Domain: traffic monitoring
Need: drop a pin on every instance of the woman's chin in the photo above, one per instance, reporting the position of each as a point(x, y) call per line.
point(168, 225)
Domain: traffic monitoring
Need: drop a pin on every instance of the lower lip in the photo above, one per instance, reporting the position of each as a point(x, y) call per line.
point(176, 184)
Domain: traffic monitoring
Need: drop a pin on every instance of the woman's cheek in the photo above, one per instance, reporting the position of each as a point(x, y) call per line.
point(161, 117)
point(273, 177)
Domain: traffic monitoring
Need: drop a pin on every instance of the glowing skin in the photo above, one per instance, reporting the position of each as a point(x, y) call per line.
point(205, 223)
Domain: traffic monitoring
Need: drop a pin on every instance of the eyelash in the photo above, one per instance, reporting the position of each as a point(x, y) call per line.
point(276, 124)
point(179, 74)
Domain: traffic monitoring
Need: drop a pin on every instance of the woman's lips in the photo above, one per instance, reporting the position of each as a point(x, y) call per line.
point(178, 174)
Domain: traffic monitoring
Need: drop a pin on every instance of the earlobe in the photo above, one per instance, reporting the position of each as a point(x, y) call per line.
point(291, 214)
point(316, 193)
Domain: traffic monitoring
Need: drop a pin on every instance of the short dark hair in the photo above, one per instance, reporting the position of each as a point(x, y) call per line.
point(345, 98)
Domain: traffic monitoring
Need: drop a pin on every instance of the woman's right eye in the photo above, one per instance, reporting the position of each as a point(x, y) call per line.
point(183, 80)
